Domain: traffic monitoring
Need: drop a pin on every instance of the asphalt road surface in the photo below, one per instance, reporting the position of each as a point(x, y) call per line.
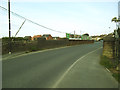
point(70, 67)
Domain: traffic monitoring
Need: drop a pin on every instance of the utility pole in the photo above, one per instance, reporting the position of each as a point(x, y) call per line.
point(9, 27)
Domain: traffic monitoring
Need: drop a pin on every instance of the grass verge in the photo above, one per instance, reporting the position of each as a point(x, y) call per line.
point(112, 65)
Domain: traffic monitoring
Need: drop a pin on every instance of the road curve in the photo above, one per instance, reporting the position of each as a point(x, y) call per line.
point(58, 68)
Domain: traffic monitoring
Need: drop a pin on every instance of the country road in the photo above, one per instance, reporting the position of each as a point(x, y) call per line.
point(70, 67)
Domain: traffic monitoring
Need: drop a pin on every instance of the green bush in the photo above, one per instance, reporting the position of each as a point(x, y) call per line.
point(13, 38)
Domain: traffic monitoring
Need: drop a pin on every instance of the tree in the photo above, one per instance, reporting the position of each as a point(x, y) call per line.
point(115, 20)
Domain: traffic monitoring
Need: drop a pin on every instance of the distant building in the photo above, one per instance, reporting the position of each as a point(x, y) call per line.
point(85, 37)
point(47, 36)
point(96, 38)
point(90, 38)
point(56, 38)
point(72, 36)
point(78, 37)
point(68, 35)
point(28, 38)
point(99, 37)
point(35, 37)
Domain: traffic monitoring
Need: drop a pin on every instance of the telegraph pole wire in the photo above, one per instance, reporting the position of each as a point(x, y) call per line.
point(31, 21)
point(20, 28)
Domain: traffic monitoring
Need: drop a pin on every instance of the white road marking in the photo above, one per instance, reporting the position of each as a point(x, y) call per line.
point(65, 73)
point(108, 70)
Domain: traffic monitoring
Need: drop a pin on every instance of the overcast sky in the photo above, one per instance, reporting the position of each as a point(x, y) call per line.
point(83, 16)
